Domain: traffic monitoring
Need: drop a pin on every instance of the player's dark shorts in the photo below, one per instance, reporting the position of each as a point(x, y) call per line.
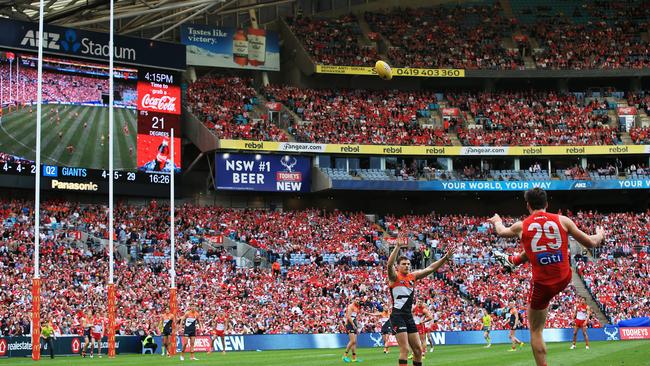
point(190, 333)
point(387, 328)
point(403, 323)
point(351, 327)
point(167, 329)
point(541, 295)
point(486, 328)
point(87, 332)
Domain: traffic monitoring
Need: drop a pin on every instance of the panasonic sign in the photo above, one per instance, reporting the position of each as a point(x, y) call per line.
point(70, 43)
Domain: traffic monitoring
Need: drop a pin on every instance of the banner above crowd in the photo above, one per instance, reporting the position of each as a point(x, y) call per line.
point(255, 49)
point(297, 147)
point(400, 71)
point(490, 186)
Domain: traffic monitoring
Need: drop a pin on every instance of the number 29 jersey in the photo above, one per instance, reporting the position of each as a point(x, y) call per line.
point(546, 244)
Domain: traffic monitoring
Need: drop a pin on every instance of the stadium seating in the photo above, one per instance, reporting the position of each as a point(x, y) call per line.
point(557, 35)
point(333, 41)
point(535, 118)
point(463, 37)
point(326, 257)
point(224, 105)
point(359, 116)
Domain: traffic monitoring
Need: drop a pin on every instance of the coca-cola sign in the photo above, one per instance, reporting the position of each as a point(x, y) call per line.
point(156, 97)
point(164, 103)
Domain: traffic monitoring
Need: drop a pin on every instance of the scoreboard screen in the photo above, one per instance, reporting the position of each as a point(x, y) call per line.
point(75, 128)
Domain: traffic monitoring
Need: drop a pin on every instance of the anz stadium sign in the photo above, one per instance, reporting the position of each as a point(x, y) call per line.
point(71, 42)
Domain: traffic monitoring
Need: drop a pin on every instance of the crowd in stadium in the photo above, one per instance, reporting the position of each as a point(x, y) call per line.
point(598, 45)
point(363, 116)
point(359, 116)
point(224, 105)
point(619, 279)
point(462, 37)
point(483, 37)
point(74, 272)
point(534, 118)
point(333, 41)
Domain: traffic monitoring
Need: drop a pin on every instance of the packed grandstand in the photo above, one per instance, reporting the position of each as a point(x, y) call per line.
point(327, 257)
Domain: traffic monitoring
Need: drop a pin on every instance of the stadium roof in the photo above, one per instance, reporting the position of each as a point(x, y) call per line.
point(155, 19)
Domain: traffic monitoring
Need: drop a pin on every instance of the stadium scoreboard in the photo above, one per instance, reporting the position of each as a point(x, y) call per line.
point(75, 133)
point(71, 179)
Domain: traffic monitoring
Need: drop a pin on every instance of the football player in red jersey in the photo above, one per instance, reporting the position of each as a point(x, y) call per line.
point(222, 325)
point(581, 317)
point(422, 317)
point(402, 291)
point(545, 239)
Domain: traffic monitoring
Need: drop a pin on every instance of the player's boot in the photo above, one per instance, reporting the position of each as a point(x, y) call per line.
point(573, 346)
point(586, 347)
point(346, 359)
point(502, 258)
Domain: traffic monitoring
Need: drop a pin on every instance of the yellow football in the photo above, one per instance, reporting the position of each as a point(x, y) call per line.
point(383, 70)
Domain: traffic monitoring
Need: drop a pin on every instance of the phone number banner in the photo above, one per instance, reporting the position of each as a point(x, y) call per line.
point(262, 172)
point(399, 71)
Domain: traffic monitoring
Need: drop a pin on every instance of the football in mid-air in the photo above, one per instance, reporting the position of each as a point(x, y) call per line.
point(383, 70)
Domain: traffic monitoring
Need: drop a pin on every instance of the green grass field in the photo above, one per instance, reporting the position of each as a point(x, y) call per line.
point(18, 136)
point(601, 353)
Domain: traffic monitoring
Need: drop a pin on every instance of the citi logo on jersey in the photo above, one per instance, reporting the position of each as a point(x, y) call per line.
point(547, 258)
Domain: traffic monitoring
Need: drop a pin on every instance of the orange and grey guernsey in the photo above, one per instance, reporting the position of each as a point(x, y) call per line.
point(402, 291)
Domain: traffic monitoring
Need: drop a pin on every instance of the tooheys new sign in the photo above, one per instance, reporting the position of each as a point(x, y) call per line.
point(72, 42)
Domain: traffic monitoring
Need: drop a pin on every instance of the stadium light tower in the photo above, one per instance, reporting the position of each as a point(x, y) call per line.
point(111, 229)
point(36, 281)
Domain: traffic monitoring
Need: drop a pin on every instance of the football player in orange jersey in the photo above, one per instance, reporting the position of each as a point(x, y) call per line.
point(402, 290)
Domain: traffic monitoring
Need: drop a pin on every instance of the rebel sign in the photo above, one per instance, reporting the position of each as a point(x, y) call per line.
point(157, 97)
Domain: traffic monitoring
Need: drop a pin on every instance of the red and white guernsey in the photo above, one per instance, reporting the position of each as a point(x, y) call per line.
point(221, 324)
point(546, 244)
point(418, 314)
point(581, 312)
point(98, 325)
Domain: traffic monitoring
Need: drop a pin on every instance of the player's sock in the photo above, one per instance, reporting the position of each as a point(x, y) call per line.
point(402, 362)
point(354, 356)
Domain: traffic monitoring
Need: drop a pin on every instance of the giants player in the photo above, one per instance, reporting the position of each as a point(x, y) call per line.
point(352, 328)
point(545, 238)
point(86, 323)
point(190, 321)
point(402, 287)
point(581, 317)
point(166, 322)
